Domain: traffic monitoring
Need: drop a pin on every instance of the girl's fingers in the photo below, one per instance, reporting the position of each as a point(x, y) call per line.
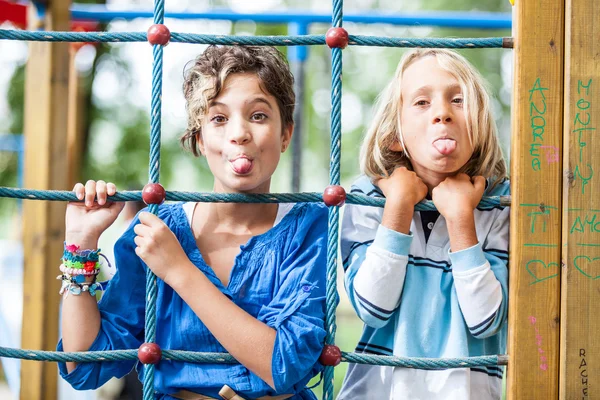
point(139, 241)
point(93, 190)
point(149, 219)
point(141, 230)
point(90, 193)
point(101, 192)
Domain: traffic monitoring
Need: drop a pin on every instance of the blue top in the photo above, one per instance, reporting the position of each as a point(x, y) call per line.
point(278, 277)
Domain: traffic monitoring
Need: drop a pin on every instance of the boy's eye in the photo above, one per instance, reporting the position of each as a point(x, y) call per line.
point(258, 116)
point(219, 119)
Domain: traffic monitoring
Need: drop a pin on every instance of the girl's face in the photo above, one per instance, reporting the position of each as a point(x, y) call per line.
point(242, 137)
point(433, 121)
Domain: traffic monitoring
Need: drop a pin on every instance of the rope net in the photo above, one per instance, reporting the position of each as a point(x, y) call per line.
point(334, 179)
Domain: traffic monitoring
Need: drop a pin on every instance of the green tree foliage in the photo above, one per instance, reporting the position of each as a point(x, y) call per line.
point(129, 127)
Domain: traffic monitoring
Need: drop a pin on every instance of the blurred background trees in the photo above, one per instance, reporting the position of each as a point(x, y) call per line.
point(116, 80)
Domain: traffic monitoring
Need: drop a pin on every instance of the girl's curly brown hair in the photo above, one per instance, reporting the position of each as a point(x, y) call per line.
point(205, 79)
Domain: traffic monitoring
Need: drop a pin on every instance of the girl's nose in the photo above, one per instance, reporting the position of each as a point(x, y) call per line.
point(239, 133)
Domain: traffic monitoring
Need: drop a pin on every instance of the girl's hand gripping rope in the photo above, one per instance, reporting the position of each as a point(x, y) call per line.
point(158, 247)
point(86, 221)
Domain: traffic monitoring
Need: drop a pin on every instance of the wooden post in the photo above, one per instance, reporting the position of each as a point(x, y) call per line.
point(580, 293)
point(76, 121)
point(536, 177)
point(46, 93)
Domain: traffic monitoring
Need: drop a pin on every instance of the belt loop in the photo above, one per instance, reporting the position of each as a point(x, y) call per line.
point(228, 393)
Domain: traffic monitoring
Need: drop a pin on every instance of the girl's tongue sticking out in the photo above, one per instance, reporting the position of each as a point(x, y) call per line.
point(241, 165)
point(445, 146)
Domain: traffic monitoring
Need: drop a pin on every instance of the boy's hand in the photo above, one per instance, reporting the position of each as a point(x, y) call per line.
point(402, 189)
point(457, 196)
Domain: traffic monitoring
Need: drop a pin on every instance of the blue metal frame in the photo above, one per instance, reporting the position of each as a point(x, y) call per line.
point(454, 19)
point(15, 143)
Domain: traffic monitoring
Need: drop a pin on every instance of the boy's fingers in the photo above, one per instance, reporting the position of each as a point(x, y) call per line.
point(111, 189)
point(79, 190)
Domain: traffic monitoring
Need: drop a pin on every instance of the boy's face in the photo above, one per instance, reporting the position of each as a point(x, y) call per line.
point(433, 121)
point(242, 136)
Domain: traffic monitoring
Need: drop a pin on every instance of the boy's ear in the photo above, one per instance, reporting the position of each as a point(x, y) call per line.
point(286, 137)
point(396, 146)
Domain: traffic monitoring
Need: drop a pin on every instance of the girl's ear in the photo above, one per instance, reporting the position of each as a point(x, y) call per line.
point(200, 143)
point(286, 137)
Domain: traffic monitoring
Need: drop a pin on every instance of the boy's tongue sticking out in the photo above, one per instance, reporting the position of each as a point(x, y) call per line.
point(445, 146)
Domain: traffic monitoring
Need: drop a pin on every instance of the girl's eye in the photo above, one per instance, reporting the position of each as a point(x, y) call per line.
point(457, 100)
point(421, 103)
point(259, 117)
point(219, 119)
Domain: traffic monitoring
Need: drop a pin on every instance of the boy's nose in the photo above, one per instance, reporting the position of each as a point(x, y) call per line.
point(442, 118)
point(442, 114)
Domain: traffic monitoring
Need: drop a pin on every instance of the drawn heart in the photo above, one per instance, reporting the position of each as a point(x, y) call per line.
point(540, 271)
point(586, 267)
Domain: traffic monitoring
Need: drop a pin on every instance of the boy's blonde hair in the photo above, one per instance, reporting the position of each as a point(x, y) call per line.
point(376, 158)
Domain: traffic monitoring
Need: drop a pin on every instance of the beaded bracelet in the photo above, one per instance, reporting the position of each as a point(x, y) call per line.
point(78, 271)
point(70, 285)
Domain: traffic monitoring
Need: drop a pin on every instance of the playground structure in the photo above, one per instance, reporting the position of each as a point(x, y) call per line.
point(86, 17)
point(552, 348)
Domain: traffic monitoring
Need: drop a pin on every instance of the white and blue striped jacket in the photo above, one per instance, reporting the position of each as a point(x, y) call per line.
point(417, 299)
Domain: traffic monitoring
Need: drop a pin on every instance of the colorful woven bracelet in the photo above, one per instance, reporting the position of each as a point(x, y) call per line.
point(77, 266)
point(88, 266)
point(74, 253)
point(75, 258)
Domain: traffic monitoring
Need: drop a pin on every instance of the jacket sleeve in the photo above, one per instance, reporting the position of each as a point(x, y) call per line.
point(481, 280)
point(375, 260)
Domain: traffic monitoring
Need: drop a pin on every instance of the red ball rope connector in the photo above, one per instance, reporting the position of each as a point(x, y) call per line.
point(154, 193)
point(334, 195)
point(159, 34)
point(331, 355)
point(149, 353)
point(337, 38)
